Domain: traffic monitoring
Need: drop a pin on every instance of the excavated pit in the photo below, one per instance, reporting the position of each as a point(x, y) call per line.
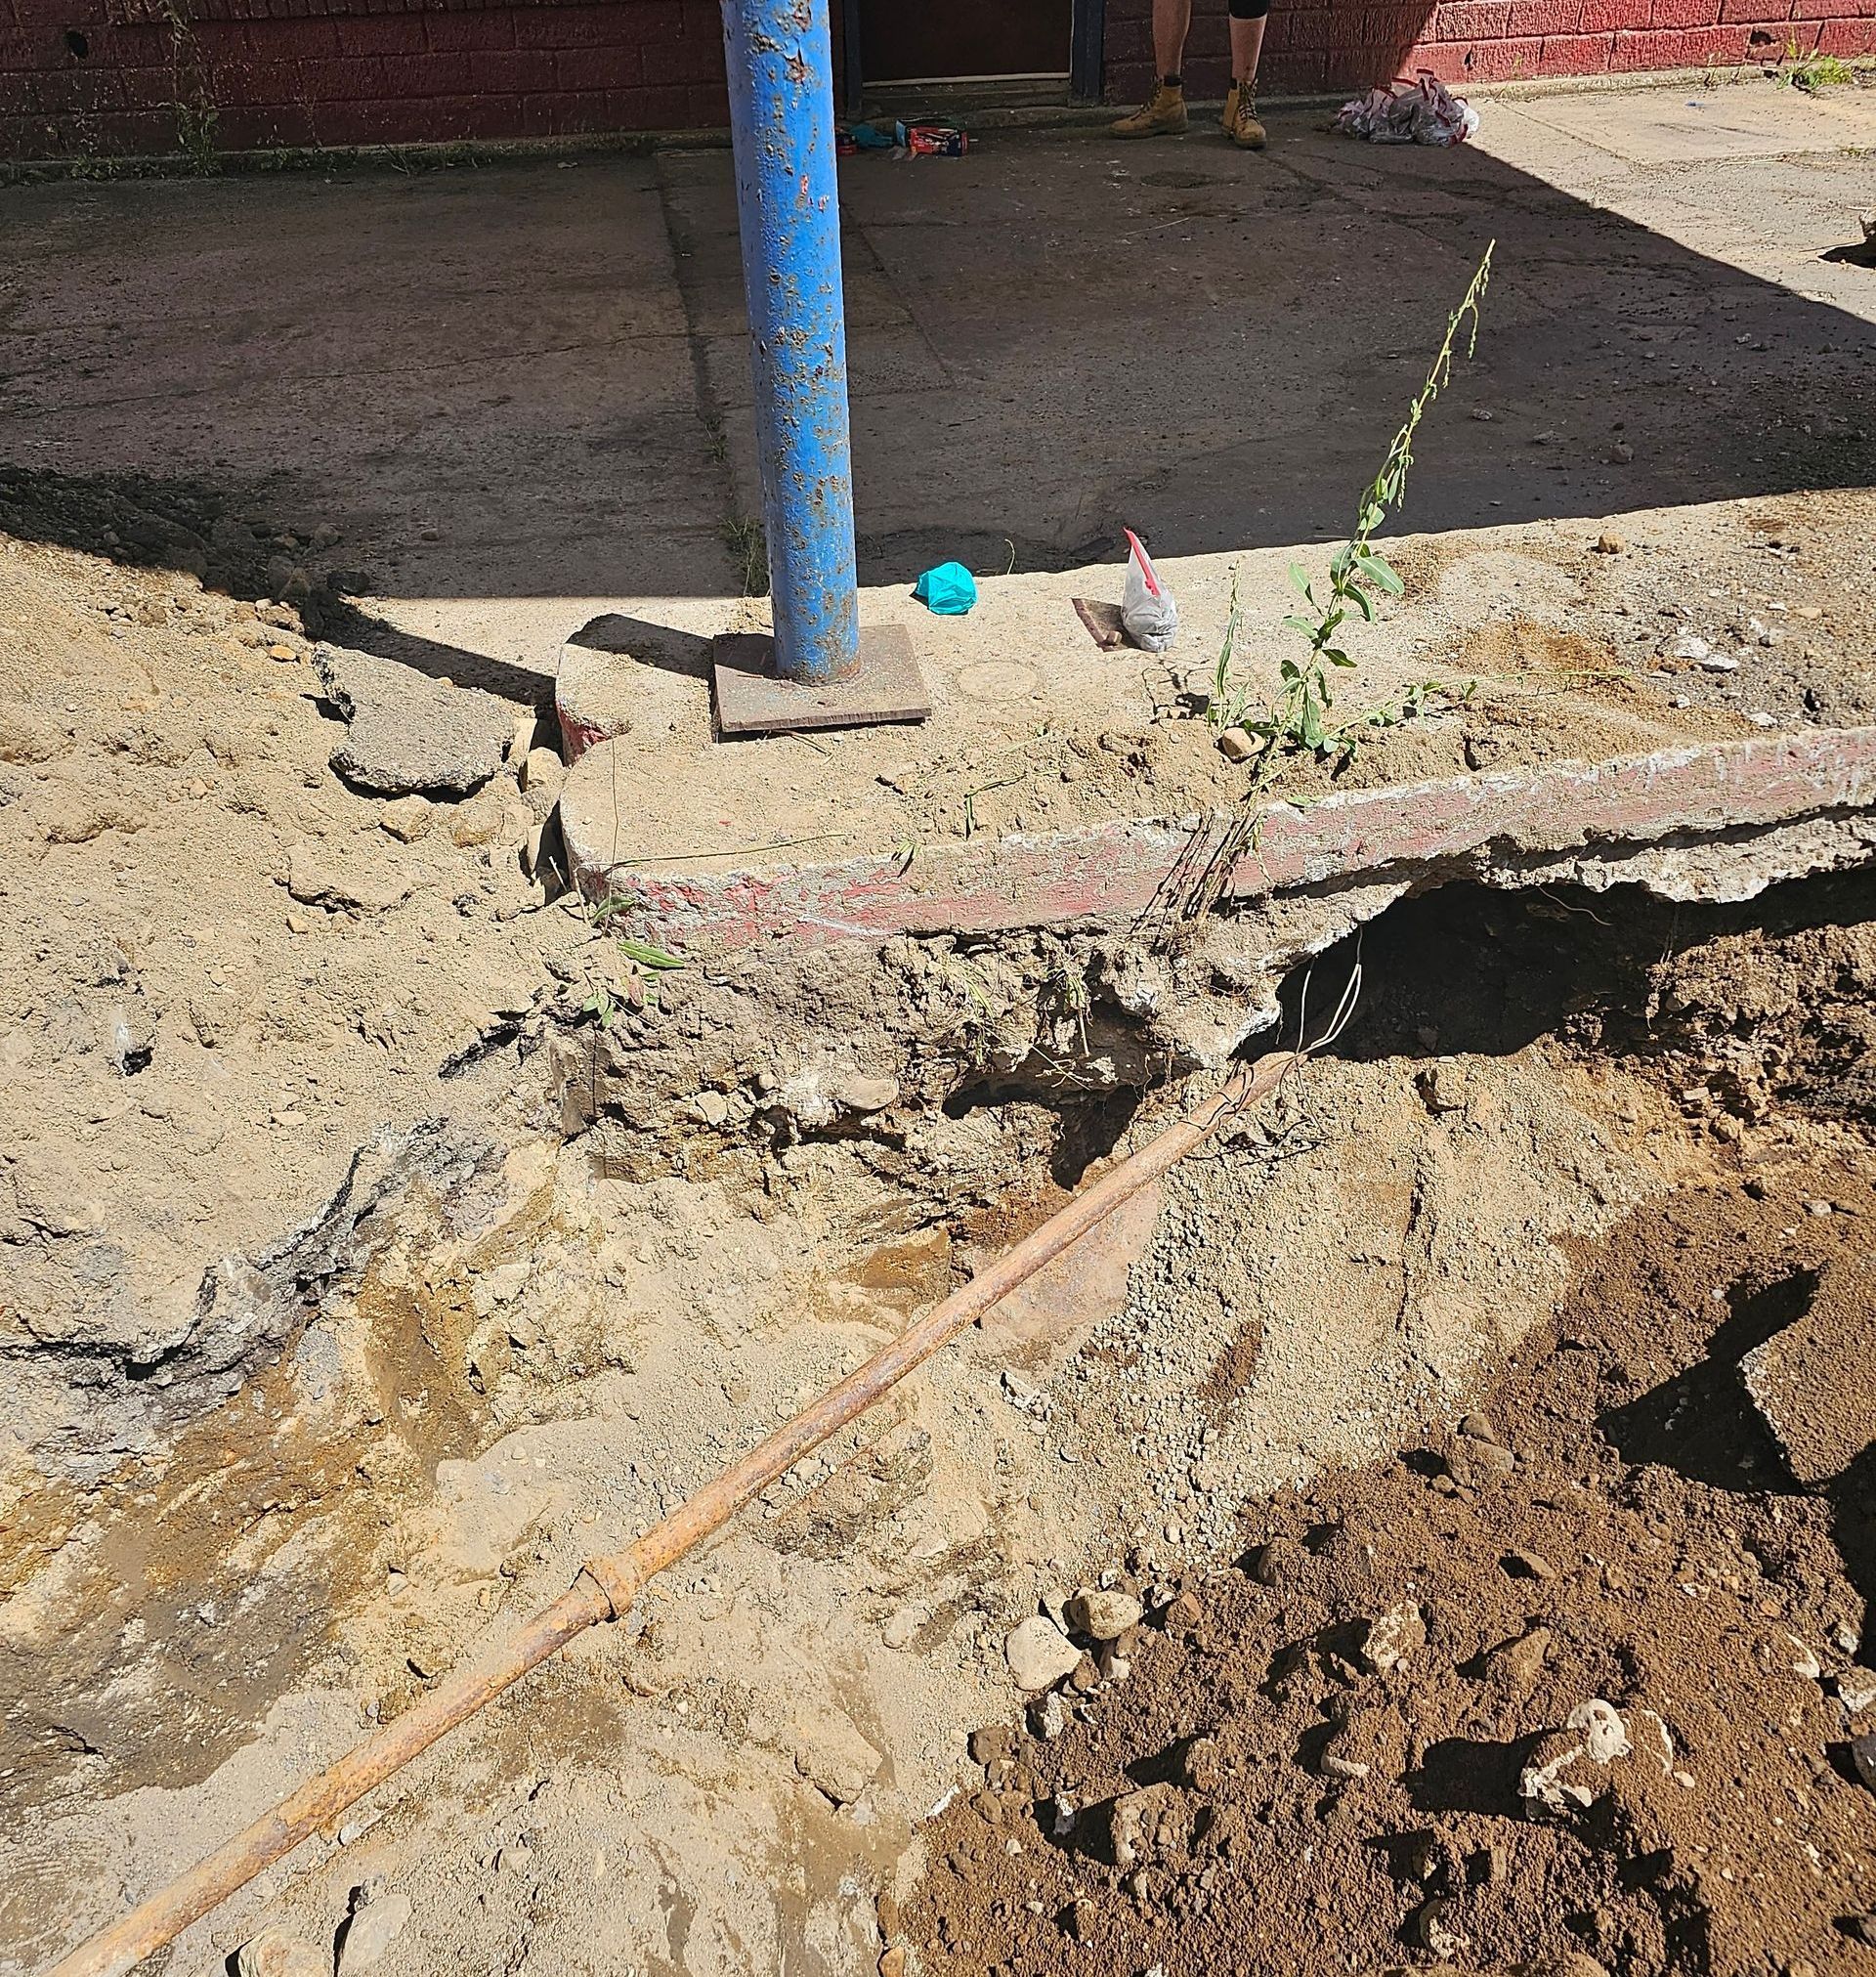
point(519, 1336)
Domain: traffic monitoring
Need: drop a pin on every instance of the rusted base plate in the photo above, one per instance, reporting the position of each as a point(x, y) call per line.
point(751, 701)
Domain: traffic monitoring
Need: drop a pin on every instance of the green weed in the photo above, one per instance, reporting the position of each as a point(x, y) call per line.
point(1302, 717)
point(748, 545)
point(196, 124)
point(635, 970)
point(1812, 73)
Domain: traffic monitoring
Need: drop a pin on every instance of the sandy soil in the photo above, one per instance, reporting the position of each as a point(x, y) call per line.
point(361, 1281)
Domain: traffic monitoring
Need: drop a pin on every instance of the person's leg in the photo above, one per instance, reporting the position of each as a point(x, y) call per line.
point(1162, 114)
point(1247, 45)
point(1172, 22)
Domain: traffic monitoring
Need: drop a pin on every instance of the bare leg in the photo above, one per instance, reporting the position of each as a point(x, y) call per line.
point(1247, 43)
point(1171, 21)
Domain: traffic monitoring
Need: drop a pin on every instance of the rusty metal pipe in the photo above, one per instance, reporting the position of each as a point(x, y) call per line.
point(605, 1587)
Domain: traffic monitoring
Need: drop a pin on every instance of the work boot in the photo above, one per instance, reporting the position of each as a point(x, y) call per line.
point(1241, 123)
point(1162, 114)
point(1230, 116)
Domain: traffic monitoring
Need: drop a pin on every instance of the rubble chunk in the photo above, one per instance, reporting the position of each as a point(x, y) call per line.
point(408, 733)
point(377, 1919)
point(1102, 1616)
point(278, 1952)
point(1814, 1382)
point(1392, 1637)
point(406, 818)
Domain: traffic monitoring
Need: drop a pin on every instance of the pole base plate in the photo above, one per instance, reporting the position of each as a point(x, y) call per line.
point(750, 700)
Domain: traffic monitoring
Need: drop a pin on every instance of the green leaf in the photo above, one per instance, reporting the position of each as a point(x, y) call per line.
point(1380, 572)
point(601, 1006)
point(1290, 672)
point(1335, 657)
point(1306, 626)
point(647, 955)
point(1299, 580)
point(1362, 601)
point(1310, 726)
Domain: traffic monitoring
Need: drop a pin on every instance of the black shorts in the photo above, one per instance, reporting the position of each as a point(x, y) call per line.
point(1250, 9)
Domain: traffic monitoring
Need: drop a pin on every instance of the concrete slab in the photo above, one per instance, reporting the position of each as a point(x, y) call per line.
point(1114, 876)
point(1813, 1381)
point(1059, 784)
point(1675, 126)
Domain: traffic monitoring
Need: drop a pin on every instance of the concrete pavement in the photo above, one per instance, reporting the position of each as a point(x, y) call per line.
point(521, 390)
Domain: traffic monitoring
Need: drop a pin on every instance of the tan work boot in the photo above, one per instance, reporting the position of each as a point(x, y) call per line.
point(1162, 114)
point(1230, 115)
point(1243, 127)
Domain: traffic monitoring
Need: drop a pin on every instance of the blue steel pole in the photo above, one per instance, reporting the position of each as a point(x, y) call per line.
point(781, 69)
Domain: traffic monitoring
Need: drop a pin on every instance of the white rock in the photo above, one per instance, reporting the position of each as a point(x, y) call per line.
point(1023, 1393)
point(1856, 1690)
point(277, 1953)
point(1040, 1654)
point(377, 1919)
point(1397, 1634)
point(1542, 1781)
point(1605, 1736)
point(1050, 1716)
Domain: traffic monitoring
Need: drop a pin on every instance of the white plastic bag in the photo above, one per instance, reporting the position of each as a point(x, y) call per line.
point(1147, 610)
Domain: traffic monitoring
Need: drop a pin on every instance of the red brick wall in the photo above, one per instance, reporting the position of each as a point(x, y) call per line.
point(107, 76)
point(1353, 44)
point(104, 76)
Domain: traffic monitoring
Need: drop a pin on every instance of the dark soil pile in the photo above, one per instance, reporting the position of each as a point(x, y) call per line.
point(1573, 1691)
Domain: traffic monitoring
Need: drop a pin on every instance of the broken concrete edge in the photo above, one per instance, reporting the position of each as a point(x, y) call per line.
point(1814, 1381)
point(1114, 873)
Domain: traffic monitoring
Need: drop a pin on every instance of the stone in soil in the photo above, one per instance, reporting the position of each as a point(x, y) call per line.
point(376, 1922)
point(278, 1952)
point(407, 733)
point(1040, 1654)
point(1814, 1382)
point(1101, 1615)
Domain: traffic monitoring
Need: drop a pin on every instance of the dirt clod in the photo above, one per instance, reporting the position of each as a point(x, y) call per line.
point(1814, 1382)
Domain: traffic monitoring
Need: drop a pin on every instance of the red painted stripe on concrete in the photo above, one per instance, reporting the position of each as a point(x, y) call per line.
point(1113, 873)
